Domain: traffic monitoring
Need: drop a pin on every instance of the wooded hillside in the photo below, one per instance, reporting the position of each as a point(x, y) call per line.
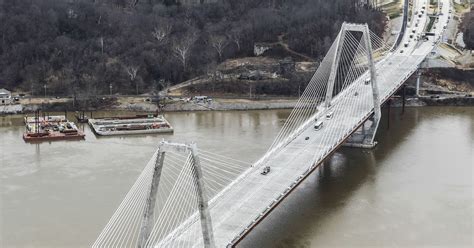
point(468, 29)
point(86, 46)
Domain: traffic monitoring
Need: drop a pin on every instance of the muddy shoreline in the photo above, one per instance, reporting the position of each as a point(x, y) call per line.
point(227, 105)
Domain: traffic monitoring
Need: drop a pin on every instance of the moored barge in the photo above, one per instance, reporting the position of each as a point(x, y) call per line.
point(140, 124)
point(50, 128)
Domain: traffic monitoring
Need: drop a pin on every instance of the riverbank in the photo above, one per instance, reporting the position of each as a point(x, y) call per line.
point(142, 105)
point(216, 104)
point(433, 100)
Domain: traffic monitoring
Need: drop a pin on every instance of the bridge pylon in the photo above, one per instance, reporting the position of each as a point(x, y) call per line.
point(203, 203)
point(366, 137)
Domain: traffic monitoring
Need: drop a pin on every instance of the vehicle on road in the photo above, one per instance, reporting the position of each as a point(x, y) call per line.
point(318, 125)
point(265, 170)
point(329, 115)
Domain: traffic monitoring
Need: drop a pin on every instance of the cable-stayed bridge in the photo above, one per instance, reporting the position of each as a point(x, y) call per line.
point(188, 197)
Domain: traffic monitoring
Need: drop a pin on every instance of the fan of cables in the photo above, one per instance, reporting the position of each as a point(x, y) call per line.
point(177, 201)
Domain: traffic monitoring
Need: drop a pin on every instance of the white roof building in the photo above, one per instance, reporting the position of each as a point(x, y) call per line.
point(5, 97)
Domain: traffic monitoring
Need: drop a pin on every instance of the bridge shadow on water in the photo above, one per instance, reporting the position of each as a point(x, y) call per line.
point(329, 188)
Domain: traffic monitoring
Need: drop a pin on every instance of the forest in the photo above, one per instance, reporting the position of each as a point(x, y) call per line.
point(468, 29)
point(97, 47)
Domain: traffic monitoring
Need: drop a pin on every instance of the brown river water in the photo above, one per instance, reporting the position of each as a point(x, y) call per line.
point(415, 189)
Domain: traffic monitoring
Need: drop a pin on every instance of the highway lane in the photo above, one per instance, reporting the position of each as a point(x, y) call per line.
point(253, 196)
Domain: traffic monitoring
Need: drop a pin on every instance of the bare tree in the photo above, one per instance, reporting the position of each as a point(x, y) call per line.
point(101, 43)
point(162, 32)
point(133, 3)
point(181, 49)
point(188, 17)
point(235, 36)
point(219, 43)
point(132, 73)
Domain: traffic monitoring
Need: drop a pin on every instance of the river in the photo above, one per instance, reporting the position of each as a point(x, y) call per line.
point(414, 189)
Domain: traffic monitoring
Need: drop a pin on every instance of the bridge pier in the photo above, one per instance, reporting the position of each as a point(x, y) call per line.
point(418, 77)
point(364, 137)
point(403, 99)
point(389, 105)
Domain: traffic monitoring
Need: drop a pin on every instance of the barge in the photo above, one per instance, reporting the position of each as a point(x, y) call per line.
point(140, 124)
point(42, 119)
point(50, 128)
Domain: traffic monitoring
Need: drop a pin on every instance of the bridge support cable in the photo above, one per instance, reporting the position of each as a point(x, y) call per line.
point(366, 139)
point(332, 134)
point(178, 194)
point(173, 192)
point(307, 106)
point(346, 62)
point(357, 104)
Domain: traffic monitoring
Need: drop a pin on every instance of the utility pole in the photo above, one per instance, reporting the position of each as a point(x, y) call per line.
point(136, 85)
point(45, 86)
point(250, 91)
point(110, 89)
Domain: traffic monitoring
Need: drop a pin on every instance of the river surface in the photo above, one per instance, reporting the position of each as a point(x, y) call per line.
point(414, 189)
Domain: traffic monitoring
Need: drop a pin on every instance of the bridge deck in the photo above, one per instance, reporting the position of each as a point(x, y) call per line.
point(254, 195)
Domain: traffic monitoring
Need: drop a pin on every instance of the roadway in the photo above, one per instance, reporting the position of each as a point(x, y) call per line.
point(245, 203)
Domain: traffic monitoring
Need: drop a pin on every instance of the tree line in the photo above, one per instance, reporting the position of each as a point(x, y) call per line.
point(88, 47)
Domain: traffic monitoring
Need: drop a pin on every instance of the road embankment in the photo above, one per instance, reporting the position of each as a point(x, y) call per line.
point(228, 104)
point(219, 105)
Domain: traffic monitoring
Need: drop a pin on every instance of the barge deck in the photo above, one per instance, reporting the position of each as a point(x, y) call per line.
point(50, 128)
point(141, 124)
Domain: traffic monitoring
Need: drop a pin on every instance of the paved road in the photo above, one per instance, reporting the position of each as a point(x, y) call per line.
point(251, 198)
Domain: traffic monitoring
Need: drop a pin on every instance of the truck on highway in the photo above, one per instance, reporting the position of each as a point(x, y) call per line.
point(318, 125)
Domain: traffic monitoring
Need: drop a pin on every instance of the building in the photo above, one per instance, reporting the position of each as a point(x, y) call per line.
point(5, 97)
